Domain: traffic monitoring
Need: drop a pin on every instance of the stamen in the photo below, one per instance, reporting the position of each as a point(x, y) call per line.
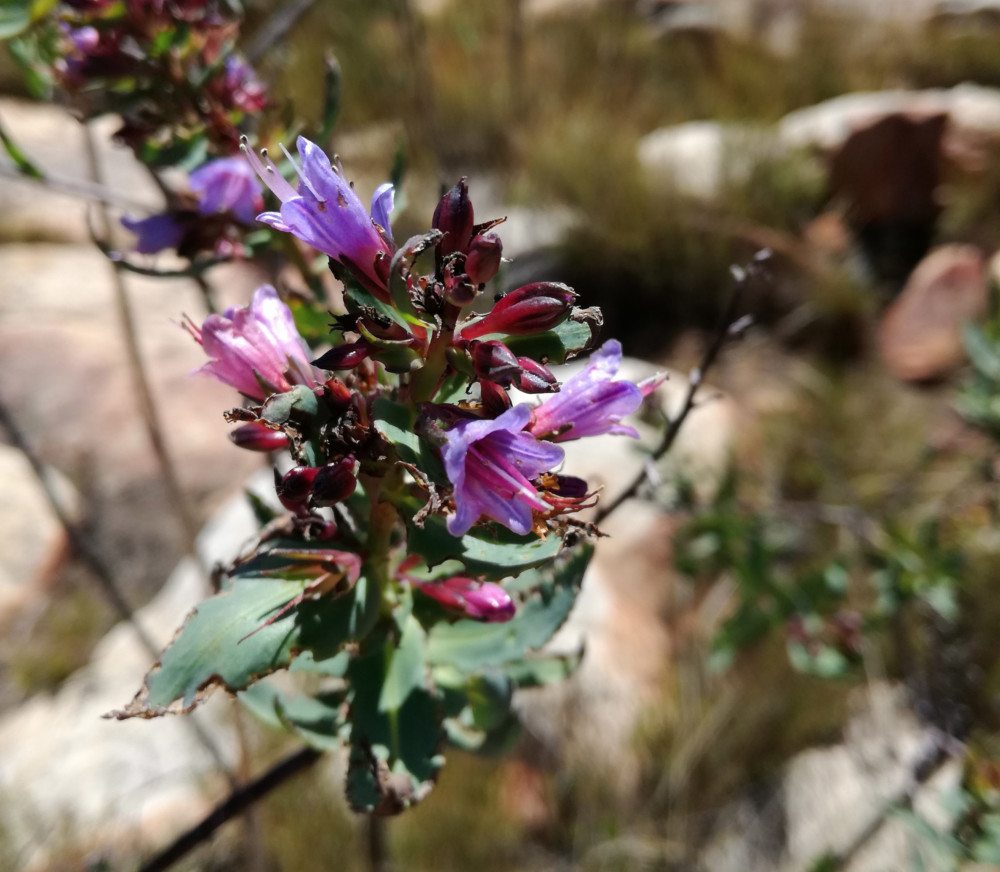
point(302, 175)
point(268, 174)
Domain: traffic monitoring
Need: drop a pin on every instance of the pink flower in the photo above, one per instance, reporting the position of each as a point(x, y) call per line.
point(257, 348)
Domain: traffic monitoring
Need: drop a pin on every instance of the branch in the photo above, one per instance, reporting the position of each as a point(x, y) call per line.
point(237, 801)
point(729, 328)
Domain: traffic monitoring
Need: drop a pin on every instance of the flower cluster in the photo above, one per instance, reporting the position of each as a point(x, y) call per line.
point(174, 58)
point(426, 393)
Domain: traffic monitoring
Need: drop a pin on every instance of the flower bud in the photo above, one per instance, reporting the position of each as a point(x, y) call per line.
point(479, 600)
point(338, 395)
point(530, 309)
point(483, 260)
point(494, 398)
point(345, 356)
point(295, 486)
point(494, 362)
point(454, 217)
point(569, 487)
point(258, 437)
point(535, 378)
point(334, 482)
point(458, 290)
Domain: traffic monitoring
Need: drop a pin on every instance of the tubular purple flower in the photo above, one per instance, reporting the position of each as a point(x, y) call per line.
point(256, 349)
point(155, 233)
point(592, 402)
point(228, 184)
point(490, 464)
point(326, 213)
point(479, 600)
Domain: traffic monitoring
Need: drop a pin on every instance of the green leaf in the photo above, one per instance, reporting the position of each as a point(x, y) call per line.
point(300, 402)
point(14, 152)
point(15, 18)
point(396, 423)
point(470, 645)
point(982, 351)
point(394, 756)
point(492, 550)
point(407, 667)
point(557, 345)
point(317, 720)
point(226, 641)
point(357, 300)
point(540, 671)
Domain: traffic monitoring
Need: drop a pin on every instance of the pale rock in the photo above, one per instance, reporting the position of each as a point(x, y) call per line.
point(972, 110)
point(920, 336)
point(33, 544)
point(64, 769)
point(54, 140)
point(826, 798)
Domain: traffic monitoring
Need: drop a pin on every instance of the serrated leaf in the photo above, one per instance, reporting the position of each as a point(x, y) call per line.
point(491, 550)
point(226, 641)
point(470, 646)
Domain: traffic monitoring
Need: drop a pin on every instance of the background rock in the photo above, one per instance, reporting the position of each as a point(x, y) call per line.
point(920, 336)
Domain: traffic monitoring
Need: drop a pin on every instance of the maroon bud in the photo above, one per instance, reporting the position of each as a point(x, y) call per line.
point(494, 398)
point(384, 330)
point(346, 356)
point(338, 395)
point(295, 486)
point(535, 378)
point(258, 437)
point(458, 290)
point(494, 362)
point(483, 260)
point(454, 217)
point(335, 482)
point(569, 487)
point(530, 309)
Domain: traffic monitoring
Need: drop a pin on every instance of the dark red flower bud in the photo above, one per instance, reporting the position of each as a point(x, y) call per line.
point(530, 309)
point(335, 482)
point(346, 356)
point(338, 395)
point(494, 362)
point(535, 378)
point(494, 398)
point(483, 260)
point(454, 217)
point(258, 437)
point(295, 486)
point(569, 487)
point(458, 290)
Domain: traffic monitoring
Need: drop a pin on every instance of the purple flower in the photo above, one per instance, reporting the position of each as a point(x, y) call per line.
point(592, 402)
point(256, 349)
point(326, 213)
point(155, 233)
point(228, 184)
point(479, 600)
point(244, 90)
point(490, 464)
